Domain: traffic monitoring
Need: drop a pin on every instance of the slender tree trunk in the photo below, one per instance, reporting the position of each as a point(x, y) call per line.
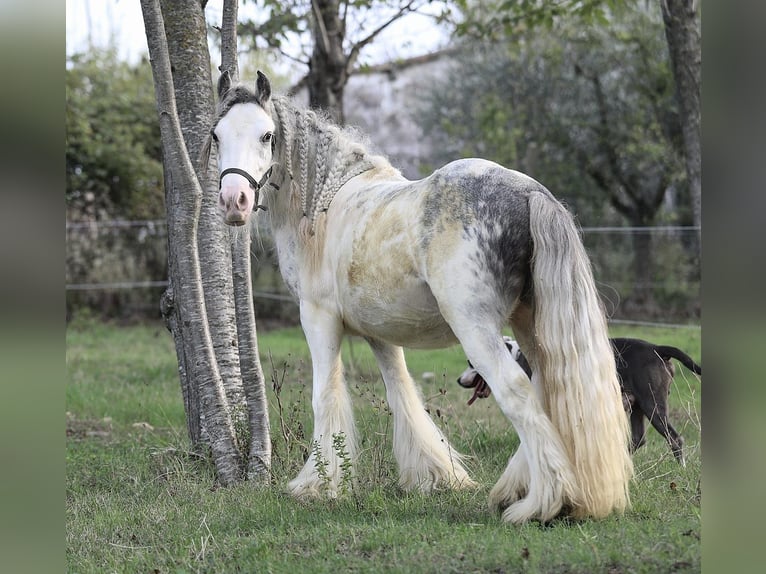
point(259, 454)
point(183, 204)
point(229, 57)
point(185, 373)
point(643, 269)
point(682, 31)
point(254, 384)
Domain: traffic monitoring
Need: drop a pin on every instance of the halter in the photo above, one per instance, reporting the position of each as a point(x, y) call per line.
point(254, 185)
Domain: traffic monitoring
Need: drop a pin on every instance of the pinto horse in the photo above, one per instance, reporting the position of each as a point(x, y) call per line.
point(451, 258)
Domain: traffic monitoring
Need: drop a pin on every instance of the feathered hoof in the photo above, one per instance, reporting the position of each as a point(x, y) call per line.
point(429, 482)
point(503, 495)
point(512, 484)
point(528, 509)
point(308, 490)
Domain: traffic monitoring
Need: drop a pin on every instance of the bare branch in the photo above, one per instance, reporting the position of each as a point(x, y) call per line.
point(353, 54)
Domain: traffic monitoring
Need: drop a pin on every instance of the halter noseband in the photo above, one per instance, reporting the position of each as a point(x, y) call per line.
point(254, 185)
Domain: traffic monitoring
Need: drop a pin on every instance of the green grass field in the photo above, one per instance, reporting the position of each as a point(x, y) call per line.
point(138, 501)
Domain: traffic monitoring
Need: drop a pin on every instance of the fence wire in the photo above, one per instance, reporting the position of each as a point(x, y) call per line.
point(117, 268)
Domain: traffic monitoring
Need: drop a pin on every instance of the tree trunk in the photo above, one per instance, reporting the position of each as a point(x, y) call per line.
point(184, 195)
point(327, 67)
point(186, 31)
point(682, 32)
point(259, 453)
point(643, 270)
point(254, 384)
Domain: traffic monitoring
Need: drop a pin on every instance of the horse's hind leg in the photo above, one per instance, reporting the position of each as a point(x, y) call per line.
point(514, 482)
point(551, 482)
point(425, 458)
point(333, 414)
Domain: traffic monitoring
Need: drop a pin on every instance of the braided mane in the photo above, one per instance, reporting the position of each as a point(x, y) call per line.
point(317, 156)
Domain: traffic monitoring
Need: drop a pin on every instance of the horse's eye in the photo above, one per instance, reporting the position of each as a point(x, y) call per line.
point(266, 138)
point(215, 137)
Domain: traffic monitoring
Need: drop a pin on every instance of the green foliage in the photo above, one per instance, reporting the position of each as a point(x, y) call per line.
point(137, 499)
point(283, 20)
point(491, 19)
point(346, 466)
point(586, 108)
point(113, 146)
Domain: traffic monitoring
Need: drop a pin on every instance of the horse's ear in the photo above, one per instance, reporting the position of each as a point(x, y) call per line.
point(263, 87)
point(224, 84)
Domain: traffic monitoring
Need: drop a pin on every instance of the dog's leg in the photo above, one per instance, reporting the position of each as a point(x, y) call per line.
point(659, 420)
point(651, 393)
point(637, 428)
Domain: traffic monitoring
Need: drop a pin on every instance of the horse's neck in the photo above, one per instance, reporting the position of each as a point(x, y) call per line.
point(318, 159)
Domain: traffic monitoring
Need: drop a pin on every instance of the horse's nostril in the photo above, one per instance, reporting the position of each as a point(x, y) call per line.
point(221, 202)
point(242, 201)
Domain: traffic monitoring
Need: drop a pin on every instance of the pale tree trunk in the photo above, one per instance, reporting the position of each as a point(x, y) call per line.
point(221, 376)
point(183, 198)
point(253, 381)
point(186, 32)
point(682, 31)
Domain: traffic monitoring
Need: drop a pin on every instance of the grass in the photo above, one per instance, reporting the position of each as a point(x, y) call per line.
point(139, 501)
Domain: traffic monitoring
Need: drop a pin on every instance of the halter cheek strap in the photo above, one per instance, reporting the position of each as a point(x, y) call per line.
point(254, 185)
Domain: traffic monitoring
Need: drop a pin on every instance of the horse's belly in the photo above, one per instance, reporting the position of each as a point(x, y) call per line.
point(407, 316)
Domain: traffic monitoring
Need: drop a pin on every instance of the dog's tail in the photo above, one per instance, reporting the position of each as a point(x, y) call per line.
point(575, 361)
point(667, 352)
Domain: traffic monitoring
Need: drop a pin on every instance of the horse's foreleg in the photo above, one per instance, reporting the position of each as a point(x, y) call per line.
point(333, 448)
point(425, 458)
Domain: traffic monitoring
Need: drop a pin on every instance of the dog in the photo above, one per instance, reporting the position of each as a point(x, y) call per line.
point(645, 372)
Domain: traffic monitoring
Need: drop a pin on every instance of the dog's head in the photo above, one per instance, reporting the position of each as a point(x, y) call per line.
point(470, 378)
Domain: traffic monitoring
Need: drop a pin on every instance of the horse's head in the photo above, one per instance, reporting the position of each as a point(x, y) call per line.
point(244, 133)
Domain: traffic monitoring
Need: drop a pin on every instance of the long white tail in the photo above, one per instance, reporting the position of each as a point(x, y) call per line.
point(575, 363)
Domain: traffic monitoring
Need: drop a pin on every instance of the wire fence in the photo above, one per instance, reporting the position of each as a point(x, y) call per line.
point(117, 268)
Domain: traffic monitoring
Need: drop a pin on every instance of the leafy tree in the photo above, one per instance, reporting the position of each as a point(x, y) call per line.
point(113, 156)
point(491, 19)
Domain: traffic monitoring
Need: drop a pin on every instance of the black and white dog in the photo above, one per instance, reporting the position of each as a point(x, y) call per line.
point(645, 372)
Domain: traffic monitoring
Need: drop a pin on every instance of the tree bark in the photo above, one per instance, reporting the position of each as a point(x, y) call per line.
point(327, 67)
point(254, 384)
point(186, 31)
point(184, 196)
point(229, 56)
point(682, 32)
point(259, 453)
